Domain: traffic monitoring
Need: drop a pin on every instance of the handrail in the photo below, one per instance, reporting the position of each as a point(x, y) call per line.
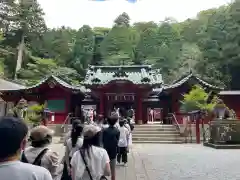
point(66, 120)
point(175, 120)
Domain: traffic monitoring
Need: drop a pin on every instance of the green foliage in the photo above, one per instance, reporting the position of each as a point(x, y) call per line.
point(83, 49)
point(34, 114)
point(118, 45)
point(123, 20)
point(197, 99)
point(207, 44)
point(36, 108)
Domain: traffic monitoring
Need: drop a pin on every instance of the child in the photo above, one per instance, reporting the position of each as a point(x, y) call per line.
point(123, 143)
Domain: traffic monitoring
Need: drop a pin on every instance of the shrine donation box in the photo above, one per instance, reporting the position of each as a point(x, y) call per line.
point(225, 131)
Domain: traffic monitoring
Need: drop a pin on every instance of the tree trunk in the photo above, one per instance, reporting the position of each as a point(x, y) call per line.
point(20, 56)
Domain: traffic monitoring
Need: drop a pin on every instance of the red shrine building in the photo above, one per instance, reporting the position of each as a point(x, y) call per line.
point(137, 87)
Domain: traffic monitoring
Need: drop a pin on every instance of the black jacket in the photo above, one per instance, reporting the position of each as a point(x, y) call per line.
point(110, 138)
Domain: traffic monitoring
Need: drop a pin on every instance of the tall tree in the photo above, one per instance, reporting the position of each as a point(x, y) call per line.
point(122, 20)
point(83, 49)
point(25, 23)
point(117, 47)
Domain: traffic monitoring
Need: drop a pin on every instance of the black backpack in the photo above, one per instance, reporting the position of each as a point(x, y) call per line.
point(37, 161)
point(131, 126)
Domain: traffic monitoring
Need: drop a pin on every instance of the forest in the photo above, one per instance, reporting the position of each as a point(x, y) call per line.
point(207, 45)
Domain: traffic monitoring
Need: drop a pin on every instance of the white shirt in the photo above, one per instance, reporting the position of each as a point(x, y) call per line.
point(123, 139)
point(96, 161)
point(23, 171)
point(128, 127)
point(104, 126)
point(78, 145)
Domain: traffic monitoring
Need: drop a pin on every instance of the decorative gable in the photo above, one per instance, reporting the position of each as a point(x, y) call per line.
point(120, 73)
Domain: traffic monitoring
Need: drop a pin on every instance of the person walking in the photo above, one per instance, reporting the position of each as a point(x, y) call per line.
point(110, 140)
point(105, 124)
point(72, 145)
point(39, 153)
point(75, 122)
point(131, 127)
point(91, 162)
point(123, 143)
point(13, 137)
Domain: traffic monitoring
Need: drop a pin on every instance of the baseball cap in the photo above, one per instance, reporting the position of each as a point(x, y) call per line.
point(39, 133)
point(89, 131)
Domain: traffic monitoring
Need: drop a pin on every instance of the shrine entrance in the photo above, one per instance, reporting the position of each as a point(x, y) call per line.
point(122, 87)
point(122, 102)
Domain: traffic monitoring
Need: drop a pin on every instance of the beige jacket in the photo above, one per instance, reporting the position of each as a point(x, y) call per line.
point(50, 160)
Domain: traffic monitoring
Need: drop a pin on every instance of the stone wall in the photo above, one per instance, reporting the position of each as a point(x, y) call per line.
point(193, 128)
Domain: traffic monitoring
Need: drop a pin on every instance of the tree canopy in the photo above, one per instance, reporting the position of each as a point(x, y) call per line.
point(207, 45)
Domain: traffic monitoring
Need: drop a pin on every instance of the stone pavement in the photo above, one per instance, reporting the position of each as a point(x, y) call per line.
point(177, 162)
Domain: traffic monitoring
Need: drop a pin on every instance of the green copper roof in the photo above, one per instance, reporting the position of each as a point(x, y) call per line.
point(137, 74)
point(181, 81)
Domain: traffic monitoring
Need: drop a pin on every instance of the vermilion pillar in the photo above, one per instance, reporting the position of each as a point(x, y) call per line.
point(139, 111)
point(197, 131)
point(101, 104)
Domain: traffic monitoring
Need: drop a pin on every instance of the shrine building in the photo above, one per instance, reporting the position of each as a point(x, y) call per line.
point(104, 88)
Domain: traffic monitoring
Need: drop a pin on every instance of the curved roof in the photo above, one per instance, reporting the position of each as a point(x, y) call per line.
point(50, 78)
point(137, 74)
point(184, 80)
point(8, 86)
point(187, 78)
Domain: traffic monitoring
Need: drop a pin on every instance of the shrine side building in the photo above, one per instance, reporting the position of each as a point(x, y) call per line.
point(139, 87)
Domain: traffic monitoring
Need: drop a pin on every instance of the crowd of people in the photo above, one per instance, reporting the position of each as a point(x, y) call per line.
point(92, 150)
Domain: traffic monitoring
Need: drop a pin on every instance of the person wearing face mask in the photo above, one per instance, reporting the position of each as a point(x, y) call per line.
point(13, 137)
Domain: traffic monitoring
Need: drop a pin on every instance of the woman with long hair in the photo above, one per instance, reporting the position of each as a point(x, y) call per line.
point(72, 145)
point(91, 162)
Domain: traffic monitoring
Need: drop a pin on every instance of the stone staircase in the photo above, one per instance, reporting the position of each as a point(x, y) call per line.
point(146, 133)
point(156, 133)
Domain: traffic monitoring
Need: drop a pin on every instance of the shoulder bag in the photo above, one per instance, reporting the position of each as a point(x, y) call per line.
point(38, 159)
point(89, 173)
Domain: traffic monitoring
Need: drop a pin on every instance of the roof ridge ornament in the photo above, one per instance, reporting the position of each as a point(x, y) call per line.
point(145, 79)
point(144, 74)
point(120, 73)
point(96, 77)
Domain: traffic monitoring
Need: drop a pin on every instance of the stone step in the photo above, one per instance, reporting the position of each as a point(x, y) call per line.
point(155, 135)
point(154, 126)
point(156, 142)
point(159, 138)
point(155, 132)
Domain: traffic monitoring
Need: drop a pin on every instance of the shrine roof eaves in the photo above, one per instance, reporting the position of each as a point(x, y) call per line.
point(58, 80)
point(137, 74)
point(188, 77)
point(8, 85)
point(233, 92)
point(122, 66)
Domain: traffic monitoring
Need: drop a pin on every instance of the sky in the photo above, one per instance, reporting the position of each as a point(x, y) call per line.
point(75, 13)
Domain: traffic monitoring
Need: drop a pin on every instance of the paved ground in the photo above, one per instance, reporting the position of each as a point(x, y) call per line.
point(178, 162)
